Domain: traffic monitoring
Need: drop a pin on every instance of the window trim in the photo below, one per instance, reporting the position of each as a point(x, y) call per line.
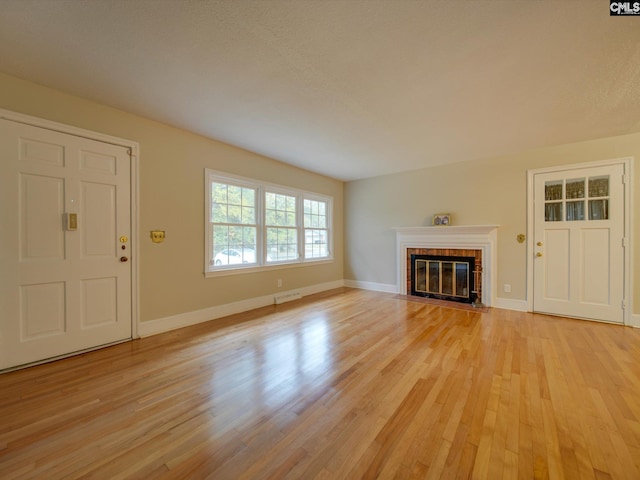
point(261, 187)
point(329, 214)
point(278, 190)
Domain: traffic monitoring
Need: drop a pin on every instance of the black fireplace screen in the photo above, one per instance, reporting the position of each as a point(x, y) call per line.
point(444, 277)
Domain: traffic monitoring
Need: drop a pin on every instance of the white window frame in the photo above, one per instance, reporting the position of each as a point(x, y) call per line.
point(261, 234)
point(268, 188)
point(329, 213)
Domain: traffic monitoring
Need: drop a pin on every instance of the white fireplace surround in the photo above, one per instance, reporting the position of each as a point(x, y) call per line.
point(472, 237)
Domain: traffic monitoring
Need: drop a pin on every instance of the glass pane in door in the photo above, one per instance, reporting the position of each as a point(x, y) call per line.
point(434, 277)
point(575, 188)
point(599, 186)
point(575, 211)
point(553, 190)
point(553, 212)
point(447, 278)
point(462, 279)
point(599, 209)
point(421, 276)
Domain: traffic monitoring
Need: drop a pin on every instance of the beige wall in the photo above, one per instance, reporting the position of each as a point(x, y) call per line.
point(492, 191)
point(172, 163)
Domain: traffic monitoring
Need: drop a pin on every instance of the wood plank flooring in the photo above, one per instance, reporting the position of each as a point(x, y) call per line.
point(348, 384)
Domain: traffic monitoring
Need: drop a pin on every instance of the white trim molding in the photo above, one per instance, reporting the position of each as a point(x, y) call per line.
point(511, 304)
point(376, 287)
point(471, 237)
point(173, 322)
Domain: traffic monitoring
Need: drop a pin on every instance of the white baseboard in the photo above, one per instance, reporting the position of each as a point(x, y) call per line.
point(511, 304)
point(166, 324)
point(504, 303)
point(376, 287)
point(321, 287)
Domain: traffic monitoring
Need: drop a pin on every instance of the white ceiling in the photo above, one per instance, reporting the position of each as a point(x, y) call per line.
point(346, 88)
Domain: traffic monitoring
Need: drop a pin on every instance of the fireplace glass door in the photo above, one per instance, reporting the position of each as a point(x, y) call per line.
point(444, 277)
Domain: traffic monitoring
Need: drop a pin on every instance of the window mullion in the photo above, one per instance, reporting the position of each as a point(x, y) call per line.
point(300, 226)
point(261, 233)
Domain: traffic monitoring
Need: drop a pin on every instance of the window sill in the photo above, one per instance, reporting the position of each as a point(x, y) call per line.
point(264, 268)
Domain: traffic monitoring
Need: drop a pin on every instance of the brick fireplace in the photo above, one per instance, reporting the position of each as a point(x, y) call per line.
point(477, 241)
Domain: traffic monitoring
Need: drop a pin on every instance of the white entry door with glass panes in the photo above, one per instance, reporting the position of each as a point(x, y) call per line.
point(65, 211)
point(579, 243)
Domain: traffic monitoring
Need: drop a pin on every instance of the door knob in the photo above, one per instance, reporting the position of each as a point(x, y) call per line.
point(123, 259)
point(539, 244)
point(539, 254)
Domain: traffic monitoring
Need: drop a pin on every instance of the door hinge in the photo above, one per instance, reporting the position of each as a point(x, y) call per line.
point(624, 242)
point(624, 304)
point(624, 179)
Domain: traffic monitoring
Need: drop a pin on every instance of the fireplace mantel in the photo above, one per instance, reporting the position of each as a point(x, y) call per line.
point(479, 237)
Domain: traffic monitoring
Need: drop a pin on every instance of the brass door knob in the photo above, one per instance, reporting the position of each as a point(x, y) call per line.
point(539, 254)
point(539, 244)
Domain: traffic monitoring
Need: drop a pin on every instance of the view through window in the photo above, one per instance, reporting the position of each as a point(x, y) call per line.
point(250, 224)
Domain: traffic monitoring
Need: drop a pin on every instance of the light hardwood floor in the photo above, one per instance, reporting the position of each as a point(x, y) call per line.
point(348, 384)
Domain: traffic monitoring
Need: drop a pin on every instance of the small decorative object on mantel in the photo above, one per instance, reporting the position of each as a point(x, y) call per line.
point(441, 219)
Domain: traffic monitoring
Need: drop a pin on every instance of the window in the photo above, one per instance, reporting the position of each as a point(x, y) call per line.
point(282, 229)
point(570, 195)
point(233, 223)
point(316, 231)
point(251, 225)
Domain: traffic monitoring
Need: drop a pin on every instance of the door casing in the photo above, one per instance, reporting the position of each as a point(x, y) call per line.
point(134, 149)
point(627, 163)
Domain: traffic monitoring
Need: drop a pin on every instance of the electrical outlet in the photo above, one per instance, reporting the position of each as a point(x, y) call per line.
point(279, 283)
point(507, 288)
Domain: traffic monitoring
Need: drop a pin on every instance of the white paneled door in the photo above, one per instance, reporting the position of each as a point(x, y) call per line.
point(579, 243)
point(65, 216)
